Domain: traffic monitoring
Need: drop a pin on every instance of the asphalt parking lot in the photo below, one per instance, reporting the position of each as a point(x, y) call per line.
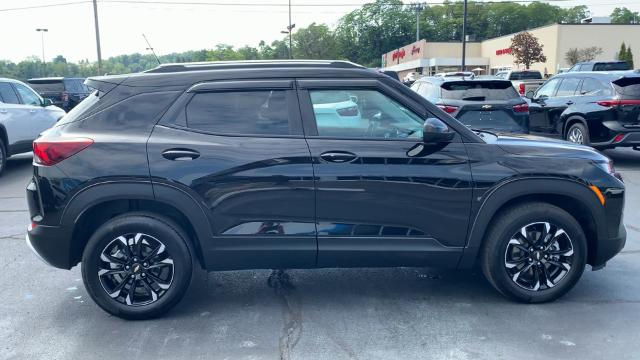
point(403, 313)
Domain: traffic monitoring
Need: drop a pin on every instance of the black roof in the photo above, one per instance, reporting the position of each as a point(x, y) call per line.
point(605, 75)
point(185, 74)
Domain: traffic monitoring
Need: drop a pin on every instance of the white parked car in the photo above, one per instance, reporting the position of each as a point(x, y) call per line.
point(23, 116)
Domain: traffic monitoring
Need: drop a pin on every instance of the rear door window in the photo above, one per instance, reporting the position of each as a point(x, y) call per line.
point(479, 90)
point(568, 87)
point(548, 89)
point(7, 95)
point(263, 112)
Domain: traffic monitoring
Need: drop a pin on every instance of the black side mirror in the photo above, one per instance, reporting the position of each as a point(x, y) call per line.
point(47, 102)
point(436, 131)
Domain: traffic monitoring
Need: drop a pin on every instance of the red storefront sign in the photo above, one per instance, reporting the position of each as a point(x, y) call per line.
point(398, 54)
point(504, 51)
point(415, 50)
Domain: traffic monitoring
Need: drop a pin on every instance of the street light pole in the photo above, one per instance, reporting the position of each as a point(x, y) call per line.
point(44, 62)
point(95, 17)
point(419, 7)
point(464, 35)
point(290, 28)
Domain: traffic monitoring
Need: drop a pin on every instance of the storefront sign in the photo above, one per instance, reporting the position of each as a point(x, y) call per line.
point(398, 54)
point(503, 51)
point(415, 50)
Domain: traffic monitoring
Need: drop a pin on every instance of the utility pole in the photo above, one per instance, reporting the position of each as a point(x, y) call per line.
point(464, 36)
point(151, 48)
point(289, 31)
point(419, 7)
point(44, 62)
point(95, 16)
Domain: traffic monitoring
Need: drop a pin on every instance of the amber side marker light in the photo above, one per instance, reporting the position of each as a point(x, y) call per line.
point(598, 193)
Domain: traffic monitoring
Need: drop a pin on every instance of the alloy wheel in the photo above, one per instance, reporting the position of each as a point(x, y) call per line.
point(135, 269)
point(576, 136)
point(538, 256)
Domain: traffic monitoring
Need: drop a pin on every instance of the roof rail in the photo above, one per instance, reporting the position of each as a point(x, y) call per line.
point(224, 65)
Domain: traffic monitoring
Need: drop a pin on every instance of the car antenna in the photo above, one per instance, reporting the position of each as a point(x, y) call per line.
point(151, 48)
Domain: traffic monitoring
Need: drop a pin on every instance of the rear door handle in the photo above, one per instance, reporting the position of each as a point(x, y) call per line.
point(569, 102)
point(338, 156)
point(3, 111)
point(180, 154)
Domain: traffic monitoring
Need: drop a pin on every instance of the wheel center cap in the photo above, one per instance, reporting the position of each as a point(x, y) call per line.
point(135, 268)
point(537, 255)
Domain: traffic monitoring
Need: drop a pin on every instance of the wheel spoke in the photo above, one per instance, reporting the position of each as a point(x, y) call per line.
point(561, 265)
point(154, 295)
point(157, 251)
point(112, 259)
point(536, 276)
point(164, 285)
point(517, 275)
point(568, 252)
point(106, 272)
point(515, 263)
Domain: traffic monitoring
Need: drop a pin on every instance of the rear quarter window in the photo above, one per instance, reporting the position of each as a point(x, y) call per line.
point(628, 87)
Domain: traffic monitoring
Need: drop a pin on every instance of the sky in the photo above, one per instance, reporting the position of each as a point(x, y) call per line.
point(174, 27)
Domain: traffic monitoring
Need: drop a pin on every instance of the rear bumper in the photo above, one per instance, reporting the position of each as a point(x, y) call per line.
point(51, 245)
point(630, 138)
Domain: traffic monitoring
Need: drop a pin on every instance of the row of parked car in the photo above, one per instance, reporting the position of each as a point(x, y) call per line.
point(596, 108)
point(27, 109)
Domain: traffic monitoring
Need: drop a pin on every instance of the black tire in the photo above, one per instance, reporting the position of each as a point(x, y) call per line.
point(175, 272)
point(3, 156)
point(576, 132)
point(499, 251)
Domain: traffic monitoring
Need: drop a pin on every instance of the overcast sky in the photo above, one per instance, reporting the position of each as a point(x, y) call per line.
point(173, 28)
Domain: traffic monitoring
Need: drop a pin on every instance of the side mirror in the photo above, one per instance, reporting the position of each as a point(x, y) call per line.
point(47, 102)
point(435, 131)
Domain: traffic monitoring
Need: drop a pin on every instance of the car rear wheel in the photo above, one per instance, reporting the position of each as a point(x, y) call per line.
point(534, 252)
point(579, 134)
point(137, 266)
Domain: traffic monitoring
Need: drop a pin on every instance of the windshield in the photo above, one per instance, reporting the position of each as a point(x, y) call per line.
point(479, 90)
point(525, 75)
point(611, 66)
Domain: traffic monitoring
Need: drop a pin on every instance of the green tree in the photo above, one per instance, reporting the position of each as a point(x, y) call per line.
point(622, 54)
point(629, 57)
point(624, 16)
point(314, 42)
point(526, 49)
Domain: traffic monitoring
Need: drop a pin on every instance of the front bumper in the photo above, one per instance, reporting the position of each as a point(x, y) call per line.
point(609, 248)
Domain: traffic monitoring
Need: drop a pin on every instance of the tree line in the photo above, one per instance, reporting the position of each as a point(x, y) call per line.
point(361, 36)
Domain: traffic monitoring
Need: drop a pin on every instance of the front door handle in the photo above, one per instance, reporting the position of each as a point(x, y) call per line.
point(338, 156)
point(569, 102)
point(3, 111)
point(180, 154)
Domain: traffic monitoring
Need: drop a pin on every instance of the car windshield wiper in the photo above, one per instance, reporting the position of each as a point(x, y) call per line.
point(476, 130)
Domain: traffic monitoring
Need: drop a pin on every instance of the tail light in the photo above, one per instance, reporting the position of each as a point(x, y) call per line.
point(521, 108)
point(618, 138)
point(350, 111)
point(52, 152)
point(448, 108)
point(612, 103)
point(64, 96)
point(521, 88)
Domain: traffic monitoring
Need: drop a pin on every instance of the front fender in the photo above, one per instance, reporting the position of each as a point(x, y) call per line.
point(494, 199)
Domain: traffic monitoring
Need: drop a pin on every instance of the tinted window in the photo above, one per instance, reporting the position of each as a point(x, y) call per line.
point(593, 87)
point(548, 88)
point(628, 86)
point(75, 86)
point(479, 90)
point(242, 112)
point(85, 105)
point(584, 67)
point(7, 95)
point(364, 114)
point(568, 87)
point(611, 66)
point(525, 75)
point(47, 86)
point(27, 95)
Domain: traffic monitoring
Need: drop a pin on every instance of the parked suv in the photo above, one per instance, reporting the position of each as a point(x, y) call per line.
point(224, 166)
point(23, 116)
point(479, 103)
point(601, 109)
point(600, 66)
point(63, 92)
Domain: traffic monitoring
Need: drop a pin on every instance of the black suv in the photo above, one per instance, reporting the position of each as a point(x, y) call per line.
point(601, 109)
point(304, 164)
point(65, 93)
point(484, 104)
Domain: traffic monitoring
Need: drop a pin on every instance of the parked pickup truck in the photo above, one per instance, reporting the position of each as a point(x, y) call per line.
point(525, 81)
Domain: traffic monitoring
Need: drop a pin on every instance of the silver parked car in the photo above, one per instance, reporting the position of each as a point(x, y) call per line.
point(23, 116)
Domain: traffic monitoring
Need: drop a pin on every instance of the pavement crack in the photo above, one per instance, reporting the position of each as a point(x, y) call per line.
point(281, 284)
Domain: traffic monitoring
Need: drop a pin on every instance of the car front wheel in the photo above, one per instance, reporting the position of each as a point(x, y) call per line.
point(534, 252)
point(579, 134)
point(137, 266)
